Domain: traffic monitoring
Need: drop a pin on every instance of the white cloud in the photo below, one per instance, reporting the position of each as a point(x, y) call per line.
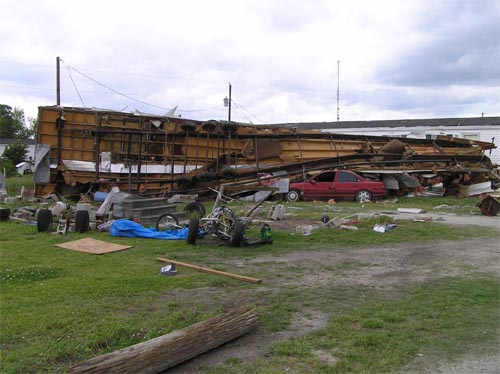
point(399, 59)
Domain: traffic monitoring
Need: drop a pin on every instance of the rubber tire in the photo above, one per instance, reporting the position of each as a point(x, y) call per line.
point(229, 127)
point(363, 195)
point(82, 220)
point(188, 126)
point(44, 220)
point(238, 234)
point(184, 180)
point(293, 196)
point(195, 210)
point(4, 214)
point(228, 173)
point(206, 176)
point(209, 125)
point(160, 226)
point(193, 228)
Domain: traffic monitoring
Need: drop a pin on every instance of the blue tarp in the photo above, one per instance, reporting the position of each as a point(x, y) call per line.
point(131, 229)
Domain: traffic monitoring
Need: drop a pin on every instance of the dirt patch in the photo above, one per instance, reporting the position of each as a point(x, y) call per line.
point(381, 268)
point(467, 365)
point(256, 344)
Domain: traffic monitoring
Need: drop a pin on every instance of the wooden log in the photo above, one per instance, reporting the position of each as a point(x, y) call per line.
point(212, 271)
point(168, 350)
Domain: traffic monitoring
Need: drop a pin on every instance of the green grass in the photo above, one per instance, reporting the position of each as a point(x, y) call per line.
point(14, 184)
point(305, 210)
point(59, 307)
point(449, 317)
point(334, 238)
point(441, 319)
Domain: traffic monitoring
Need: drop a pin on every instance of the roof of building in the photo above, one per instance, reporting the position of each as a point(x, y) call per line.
point(430, 122)
point(22, 141)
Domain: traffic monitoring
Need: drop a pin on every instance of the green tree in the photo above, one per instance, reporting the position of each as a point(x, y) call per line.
point(29, 131)
point(14, 154)
point(13, 124)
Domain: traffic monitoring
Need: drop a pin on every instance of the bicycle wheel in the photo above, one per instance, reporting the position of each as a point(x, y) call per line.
point(167, 222)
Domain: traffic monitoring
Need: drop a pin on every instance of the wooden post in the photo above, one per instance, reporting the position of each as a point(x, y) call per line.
point(168, 350)
point(211, 271)
point(259, 203)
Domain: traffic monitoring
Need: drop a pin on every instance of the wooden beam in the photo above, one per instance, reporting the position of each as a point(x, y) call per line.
point(168, 350)
point(211, 271)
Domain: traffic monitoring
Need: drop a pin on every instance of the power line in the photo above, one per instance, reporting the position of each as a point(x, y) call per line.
point(69, 67)
point(250, 113)
point(199, 110)
point(76, 88)
point(113, 90)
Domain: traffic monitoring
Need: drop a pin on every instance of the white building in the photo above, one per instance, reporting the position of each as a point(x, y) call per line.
point(29, 143)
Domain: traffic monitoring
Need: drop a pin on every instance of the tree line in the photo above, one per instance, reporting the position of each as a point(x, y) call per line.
point(15, 128)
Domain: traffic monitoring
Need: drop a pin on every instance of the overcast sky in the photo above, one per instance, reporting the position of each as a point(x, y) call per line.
point(398, 59)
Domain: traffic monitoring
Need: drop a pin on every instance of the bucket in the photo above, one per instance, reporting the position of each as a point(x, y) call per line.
point(100, 196)
point(83, 206)
point(265, 233)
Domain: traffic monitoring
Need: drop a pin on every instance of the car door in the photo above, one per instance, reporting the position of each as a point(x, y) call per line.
point(346, 185)
point(322, 185)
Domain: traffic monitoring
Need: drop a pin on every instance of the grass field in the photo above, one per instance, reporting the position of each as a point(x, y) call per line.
point(60, 307)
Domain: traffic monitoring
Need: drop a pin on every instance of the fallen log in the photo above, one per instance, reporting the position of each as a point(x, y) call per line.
point(211, 271)
point(168, 350)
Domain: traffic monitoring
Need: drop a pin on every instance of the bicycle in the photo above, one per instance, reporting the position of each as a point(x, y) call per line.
point(220, 223)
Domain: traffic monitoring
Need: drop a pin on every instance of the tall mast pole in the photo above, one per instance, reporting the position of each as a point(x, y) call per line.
point(229, 113)
point(338, 90)
point(58, 82)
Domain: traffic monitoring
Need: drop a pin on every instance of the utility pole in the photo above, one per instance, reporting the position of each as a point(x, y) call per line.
point(229, 114)
point(338, 90)
point(227, 102)
point(58, 82)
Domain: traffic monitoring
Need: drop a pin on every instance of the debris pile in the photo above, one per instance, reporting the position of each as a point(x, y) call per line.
point(81, 150)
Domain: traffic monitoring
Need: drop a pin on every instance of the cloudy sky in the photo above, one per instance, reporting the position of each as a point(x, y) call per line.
point(398, 59)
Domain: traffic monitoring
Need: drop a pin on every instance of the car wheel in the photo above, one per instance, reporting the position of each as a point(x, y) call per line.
point(238, 233)
point(293, 195)
point(4, 214)
point(363, 195)
point(167, 222)
point(81, 221)
point(193, 228)
point(44, 220)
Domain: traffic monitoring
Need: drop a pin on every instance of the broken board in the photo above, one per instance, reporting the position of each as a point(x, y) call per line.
point(93, 246)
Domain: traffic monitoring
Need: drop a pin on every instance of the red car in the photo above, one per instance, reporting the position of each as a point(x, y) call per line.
point(340, 185)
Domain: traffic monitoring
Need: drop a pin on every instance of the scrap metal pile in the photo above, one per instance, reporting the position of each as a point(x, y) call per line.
point(82, 150)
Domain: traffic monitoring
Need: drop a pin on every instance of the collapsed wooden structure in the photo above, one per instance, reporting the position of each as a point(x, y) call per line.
point(158, 155)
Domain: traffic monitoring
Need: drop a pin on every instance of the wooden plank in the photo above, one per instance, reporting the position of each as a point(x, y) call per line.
point(168, 350)
point(93, 246)
point(211, 271)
